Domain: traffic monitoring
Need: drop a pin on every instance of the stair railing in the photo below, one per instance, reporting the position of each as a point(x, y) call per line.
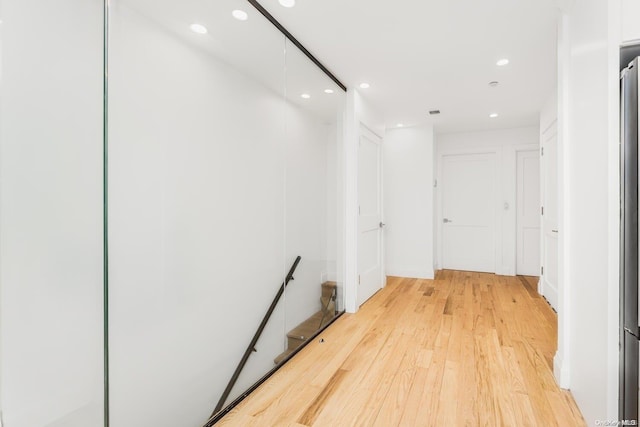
point(325, 307)
point(252, 345)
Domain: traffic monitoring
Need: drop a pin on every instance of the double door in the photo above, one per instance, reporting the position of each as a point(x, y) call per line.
point(481, 225)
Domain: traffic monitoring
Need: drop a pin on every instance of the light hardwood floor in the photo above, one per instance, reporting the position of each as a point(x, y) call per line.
point(466, 349)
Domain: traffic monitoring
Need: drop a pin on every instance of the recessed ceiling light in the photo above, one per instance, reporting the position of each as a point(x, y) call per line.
point(288, 3)
point(305, 96)
point(240, 15)
point(502, 62)
point(328, 91)
point(493, 115)
point(365, 85)
point(197, 28)
point(400, 125)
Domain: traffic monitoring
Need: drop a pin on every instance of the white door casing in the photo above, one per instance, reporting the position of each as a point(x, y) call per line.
point(468, 211)
point(370, 253)
point(528, 213)
point(549, 249)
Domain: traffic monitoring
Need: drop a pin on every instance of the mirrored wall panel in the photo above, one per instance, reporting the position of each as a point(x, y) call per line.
point(313, 185)
point(224, 154)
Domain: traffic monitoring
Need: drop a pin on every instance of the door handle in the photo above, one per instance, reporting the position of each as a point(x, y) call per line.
point(382, 224)
point(446, 220)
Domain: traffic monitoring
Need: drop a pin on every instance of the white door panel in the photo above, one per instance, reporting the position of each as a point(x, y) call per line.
point(370, 219)
point(550, 287)
point(549, 279)
point(468, 212)
point(528, 213)
point(460, 255)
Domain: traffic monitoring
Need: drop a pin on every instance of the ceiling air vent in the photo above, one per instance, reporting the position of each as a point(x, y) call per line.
point(434, 112)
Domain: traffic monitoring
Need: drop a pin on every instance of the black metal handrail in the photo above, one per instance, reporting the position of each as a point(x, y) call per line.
point(252, 345)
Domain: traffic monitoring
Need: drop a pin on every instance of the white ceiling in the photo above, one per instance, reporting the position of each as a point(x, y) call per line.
point(420, 55)
point(254, 48)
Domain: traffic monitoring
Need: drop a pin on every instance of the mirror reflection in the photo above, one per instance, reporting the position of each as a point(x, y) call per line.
point(224, 167)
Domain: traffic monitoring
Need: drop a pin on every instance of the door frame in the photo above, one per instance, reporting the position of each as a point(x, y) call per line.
point(441, 154)
point(357, 113)
point(520, 149)
point(363, 129)
point(506, 192)
point(543, 134)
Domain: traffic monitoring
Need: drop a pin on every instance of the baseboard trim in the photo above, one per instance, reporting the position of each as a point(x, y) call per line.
point(410, 273)
point(561, 372)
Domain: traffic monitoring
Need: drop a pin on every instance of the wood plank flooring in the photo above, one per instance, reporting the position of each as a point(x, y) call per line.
point(465, 349)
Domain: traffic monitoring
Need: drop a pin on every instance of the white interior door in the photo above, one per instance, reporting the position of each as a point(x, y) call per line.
point(549, 277)
point(370, 274)
point(468, 212)
point(528, 213)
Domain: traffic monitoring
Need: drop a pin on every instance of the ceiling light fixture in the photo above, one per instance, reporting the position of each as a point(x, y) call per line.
point(328, 91)
point(493, 84)
point(434, 112)
point(493, 115)
point(502, 62)
point(305, 96)
point(365, 85)
point(197, 28)
point(400, 125)
point(287, 3)
point(240, 15)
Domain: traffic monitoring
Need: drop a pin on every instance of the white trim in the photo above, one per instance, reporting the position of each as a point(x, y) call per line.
point(506, 192)
point(351, 204)
point(562, 370)
point(512, 268)
point(540, 285)
point(625, 43)
point(553, 122)
point(369, 129)
point(549, 132)
point(363, 129)
point(410, 273)
point(613, 203)
point(357, 115)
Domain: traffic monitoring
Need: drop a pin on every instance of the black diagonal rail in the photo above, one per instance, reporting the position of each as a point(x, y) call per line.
point(252, 345)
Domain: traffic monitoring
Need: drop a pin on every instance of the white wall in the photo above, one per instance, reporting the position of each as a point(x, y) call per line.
point(588, 120)
point(549, 111)
point(51, 213)
point(505, 143)
point(358, 112)
point(408, 201)
point(630, 25)
point(216, 184)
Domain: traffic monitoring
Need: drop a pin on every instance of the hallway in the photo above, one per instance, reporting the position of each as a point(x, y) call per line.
point(463, 349)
